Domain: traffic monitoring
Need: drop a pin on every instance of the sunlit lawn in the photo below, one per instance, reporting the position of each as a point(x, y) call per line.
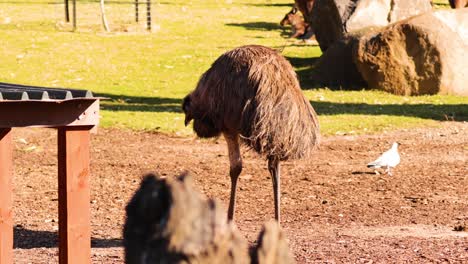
point(145, 75)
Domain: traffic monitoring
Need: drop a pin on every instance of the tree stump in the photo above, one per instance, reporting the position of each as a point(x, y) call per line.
point(169, 222)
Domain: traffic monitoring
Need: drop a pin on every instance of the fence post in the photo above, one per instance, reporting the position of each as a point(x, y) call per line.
point(67, 13)
point(136, 11)
point(148, 15)
point(74, 14)
point(74, 195)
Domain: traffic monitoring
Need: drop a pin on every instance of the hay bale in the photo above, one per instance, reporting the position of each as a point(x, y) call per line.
point(332, 19)
point(425, 54)
point(169, 222)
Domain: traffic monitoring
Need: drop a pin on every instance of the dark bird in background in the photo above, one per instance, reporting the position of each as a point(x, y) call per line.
point(252, 95)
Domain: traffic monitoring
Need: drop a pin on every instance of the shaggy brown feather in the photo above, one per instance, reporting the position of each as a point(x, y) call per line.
point(253, 91)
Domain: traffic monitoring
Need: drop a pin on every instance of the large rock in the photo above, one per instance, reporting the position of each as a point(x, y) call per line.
point(332, 19)
point(402, 9)
point(368, 13)
point(168, 221)
point(336, 67)
point(327, 18)
point(426, 54)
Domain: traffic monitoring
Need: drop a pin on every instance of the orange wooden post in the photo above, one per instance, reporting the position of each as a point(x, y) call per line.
point(6, 200)
point(75, 113)
point(74, 195)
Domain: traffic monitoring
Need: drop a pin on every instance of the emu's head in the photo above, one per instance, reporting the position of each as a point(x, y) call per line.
point(186, 107)
point(203, 123)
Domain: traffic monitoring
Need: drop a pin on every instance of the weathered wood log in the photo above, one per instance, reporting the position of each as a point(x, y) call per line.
point(272, 246)
point(426, 54)
point(168, 221)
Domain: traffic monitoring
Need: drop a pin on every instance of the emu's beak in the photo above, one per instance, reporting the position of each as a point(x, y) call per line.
point(188, 118)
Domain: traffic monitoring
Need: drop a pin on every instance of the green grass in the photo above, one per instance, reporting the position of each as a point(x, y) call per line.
point(146, 75)
point(438, 4)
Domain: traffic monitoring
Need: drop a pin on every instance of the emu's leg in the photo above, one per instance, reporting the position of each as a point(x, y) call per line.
point(235, 161)
point(274, 168)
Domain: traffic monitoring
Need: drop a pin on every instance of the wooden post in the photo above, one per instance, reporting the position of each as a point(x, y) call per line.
point(136, 10)
point(74, 195)
point(67, 12)
point(74, 14)
point(6, 200)
point(148, 15)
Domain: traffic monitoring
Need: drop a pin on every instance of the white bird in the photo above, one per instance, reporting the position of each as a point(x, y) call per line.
point(389, 159)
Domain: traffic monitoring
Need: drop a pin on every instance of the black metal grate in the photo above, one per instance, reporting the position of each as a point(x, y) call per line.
point(10, 91)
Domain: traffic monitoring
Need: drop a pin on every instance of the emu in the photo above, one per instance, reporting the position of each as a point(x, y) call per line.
point(251, 95)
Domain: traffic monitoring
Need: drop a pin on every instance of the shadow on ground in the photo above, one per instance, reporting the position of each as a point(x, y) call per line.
point(305, 68)
point(450, 112)
point(285, 32)
point(27, 239)
point(140, 104)
point(262, 26)
point(363, 173)
point(272, 4)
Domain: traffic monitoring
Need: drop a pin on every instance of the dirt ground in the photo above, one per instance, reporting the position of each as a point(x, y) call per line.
point(334, 209)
